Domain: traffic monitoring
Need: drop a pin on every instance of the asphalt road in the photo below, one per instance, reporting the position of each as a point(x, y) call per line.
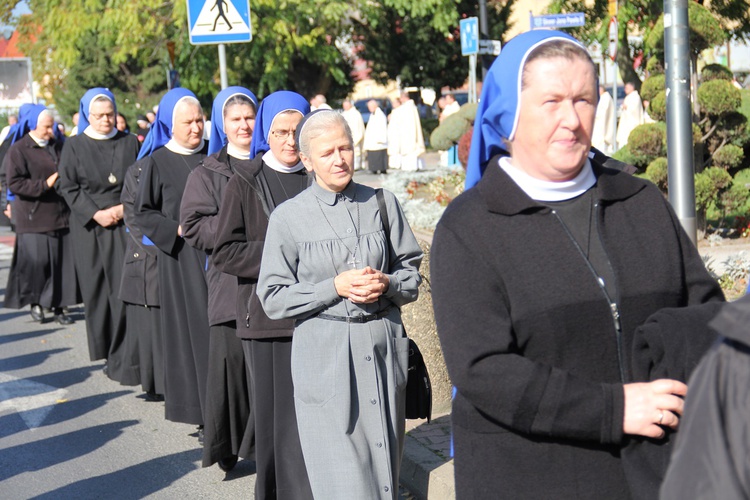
point(68, 432)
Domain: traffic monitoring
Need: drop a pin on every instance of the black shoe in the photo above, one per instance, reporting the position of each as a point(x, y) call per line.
point(61, 318)
point(153, 397)
point(200, 434)
point(228, 463)
point(37, 313)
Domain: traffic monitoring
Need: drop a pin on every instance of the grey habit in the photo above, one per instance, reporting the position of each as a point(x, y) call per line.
point(349, 378)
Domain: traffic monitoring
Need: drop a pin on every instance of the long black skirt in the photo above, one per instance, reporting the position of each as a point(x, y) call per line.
point(280, 467)
point(377, 161)
point(99, 255)
point(42, 271)
point(229, 427)
point(144, 324)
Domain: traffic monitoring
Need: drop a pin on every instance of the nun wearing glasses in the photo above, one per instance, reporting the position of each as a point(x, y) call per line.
point(273, 176)
point(92, 169)
point(228, 427)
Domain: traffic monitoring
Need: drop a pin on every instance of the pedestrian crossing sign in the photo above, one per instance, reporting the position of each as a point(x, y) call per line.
point(219, 21)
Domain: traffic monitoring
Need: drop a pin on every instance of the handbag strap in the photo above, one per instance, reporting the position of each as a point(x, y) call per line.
point(383, 214)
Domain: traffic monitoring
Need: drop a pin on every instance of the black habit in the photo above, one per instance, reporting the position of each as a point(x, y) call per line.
point(42, 270)
point(91, 178)
point(183, 293)
point(249, 198)
point(139, 290)
point(229, 427)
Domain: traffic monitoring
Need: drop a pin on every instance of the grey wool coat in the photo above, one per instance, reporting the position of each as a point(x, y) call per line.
point(349, 378)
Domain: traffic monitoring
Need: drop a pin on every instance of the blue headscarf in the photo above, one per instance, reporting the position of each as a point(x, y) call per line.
point(497, 113)
point(86, 100)
point(282, 100)
point(218, 136)
point(161, 130)
point(28, 116)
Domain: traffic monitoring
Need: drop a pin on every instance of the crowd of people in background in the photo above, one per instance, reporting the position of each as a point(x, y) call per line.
point(235, 271)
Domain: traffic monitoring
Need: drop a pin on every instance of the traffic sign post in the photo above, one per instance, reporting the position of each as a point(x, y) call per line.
point(613, 35)
point(470, 47)
point(557, 21)
point(219, 22)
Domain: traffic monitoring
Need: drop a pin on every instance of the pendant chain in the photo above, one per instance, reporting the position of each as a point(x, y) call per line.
point(353, 261)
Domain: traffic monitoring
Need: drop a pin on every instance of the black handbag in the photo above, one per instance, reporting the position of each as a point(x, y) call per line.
point(418, 386)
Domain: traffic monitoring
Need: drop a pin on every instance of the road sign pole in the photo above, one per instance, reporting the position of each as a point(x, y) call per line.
point(473, 78)
point(223, 65)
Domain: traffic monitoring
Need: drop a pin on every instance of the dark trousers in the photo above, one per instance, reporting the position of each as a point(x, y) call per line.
point(280, 466)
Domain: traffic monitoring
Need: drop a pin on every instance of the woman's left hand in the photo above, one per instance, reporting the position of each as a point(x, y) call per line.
point(368, 287)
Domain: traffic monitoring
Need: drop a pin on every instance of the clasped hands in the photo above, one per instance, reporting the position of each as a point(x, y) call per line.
point(361, 286)
point(108, 216)
point(653, 406)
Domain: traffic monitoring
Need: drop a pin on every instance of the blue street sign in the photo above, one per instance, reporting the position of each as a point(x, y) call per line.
point(469, 36)
point(557, 21)
point(219, 21)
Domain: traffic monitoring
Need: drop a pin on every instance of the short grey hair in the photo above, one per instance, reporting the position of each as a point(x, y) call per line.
point(317, 124)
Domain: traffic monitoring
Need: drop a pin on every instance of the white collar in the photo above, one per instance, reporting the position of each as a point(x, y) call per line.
point(270, 160)
point(39, 142)
point(541, 190)
point(236, 152)
point(181, 150)
point(89, 131)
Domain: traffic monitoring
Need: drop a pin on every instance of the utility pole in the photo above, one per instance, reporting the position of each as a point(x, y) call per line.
point(681, 173)
point(483, 30)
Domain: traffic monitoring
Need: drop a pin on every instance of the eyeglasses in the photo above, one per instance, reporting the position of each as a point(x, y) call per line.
point(97, 117)
point(283, 135)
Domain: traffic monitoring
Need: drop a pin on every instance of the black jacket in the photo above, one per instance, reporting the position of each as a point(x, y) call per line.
point(140, 276)
point(37, 208)
point(239, 246)
point(532, 345)
point(712, 454)
point(199, 218)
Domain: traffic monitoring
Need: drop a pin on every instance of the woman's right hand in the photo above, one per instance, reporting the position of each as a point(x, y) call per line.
point(52, 179)
point(106, 218)
point(652, 406)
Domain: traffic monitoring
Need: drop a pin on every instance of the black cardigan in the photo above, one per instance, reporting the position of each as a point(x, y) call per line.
point(37, 208)
point(530, 341)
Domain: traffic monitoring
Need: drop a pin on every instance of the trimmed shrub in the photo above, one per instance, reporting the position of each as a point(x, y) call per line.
point(719, 96)
point(648, 142)
point(624, 155)
point(715, 72)
point(729, 156)
point(657, 107)
point(656, 172)
point(708, 184)
point(652, 86)
point(654, 66)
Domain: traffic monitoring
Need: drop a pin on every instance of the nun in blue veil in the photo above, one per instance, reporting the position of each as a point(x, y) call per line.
point(42, 272)
point(173, 149)
point(229, 429)
point(546, 279)
point(92, 169)
point(273, 175)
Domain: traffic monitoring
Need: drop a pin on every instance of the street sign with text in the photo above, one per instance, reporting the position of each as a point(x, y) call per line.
point(557, 21)
point(489, 47)
point(219, 21)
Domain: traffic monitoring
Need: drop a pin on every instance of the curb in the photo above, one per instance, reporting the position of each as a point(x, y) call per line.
point(426, 469)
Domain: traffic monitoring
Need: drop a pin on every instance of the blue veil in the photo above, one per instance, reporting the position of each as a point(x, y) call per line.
point(86, 100)
point(271, 106)
point(218, 138)
point(497, 113)
point(161, 130)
